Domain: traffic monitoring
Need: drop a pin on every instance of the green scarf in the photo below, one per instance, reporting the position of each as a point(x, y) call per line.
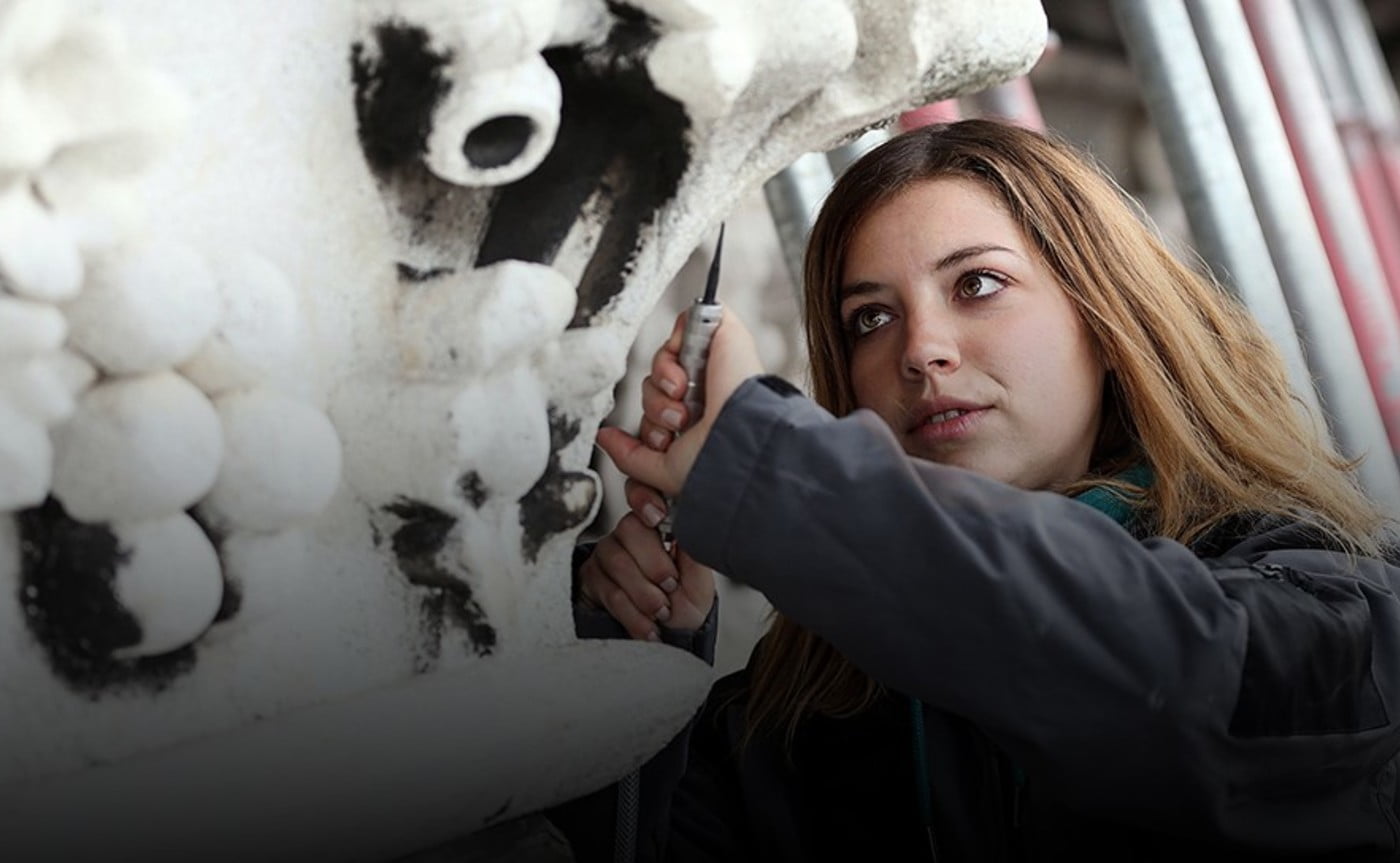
point(1110, 501)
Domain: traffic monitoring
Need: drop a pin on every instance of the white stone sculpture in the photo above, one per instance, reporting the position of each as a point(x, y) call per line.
point(308, 314)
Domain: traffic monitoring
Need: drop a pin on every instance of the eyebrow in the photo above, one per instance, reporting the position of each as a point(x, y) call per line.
point(951, 259)
point(963, 254)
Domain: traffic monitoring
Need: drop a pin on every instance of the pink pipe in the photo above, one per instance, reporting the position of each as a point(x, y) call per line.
point(946, 111)
point(1387, 146)
point(1390, 158)
point(1373, 188)
point(1371, 308)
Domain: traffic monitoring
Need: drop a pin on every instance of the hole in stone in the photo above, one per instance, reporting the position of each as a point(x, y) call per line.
point(498, 141)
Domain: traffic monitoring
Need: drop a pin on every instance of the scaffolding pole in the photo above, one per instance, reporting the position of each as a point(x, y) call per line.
point(1013, 101)
point(1321, 163)
point(1162, 47)
point(794, 195)
point(840, 158)
point(1375, 88)
point(1295, 244)
point(1343, 95)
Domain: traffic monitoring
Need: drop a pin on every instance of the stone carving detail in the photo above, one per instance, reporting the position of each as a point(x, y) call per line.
point(150, 371)
point(308, 313)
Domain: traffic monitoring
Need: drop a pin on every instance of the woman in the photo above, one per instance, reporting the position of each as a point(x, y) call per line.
point(1062, 569)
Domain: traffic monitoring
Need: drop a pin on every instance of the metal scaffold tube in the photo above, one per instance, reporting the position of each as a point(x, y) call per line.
point(1208, 177)
point(794, 195)
point(1294, 242)
point(1375, 88)
point(1013, 101)
point(1326, 180)
point(840, 158)
point(1343, 95)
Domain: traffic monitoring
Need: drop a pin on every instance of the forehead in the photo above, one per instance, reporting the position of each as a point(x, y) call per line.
point(942, 204)
point(933, 217)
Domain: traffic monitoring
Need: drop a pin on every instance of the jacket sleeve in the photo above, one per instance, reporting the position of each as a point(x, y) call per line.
point(1250, 697)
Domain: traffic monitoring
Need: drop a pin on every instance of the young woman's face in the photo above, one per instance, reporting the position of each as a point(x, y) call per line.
point(964, 343)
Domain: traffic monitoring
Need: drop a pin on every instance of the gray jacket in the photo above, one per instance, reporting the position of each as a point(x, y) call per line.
point(1239, 694)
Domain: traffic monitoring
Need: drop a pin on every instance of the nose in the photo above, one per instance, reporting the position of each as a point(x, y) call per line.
point(931, 345)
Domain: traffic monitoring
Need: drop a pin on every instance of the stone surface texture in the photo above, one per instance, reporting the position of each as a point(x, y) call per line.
point(308, 315)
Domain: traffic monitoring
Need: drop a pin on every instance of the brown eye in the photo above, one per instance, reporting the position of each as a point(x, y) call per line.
point(976, 286)
point(868, 319)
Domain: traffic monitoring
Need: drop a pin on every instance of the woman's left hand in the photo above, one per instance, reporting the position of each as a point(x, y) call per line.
point(733, 359)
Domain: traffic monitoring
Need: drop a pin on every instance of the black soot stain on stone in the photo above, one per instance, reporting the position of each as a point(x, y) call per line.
point(418, 544)
point(409, 273)
point(545, 509)
point(231, 600)
point(432, 610)
point(68, 594)
point(472, 488)
point(617, 133)
point(398, 85)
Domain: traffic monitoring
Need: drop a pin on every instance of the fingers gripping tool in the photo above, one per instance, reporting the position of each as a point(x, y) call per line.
point(700, 325)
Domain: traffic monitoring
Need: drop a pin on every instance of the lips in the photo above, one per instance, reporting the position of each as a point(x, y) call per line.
point(947, 427)
point(946, 415)
point(943, 411)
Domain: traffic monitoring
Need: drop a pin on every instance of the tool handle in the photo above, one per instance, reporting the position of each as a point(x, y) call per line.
point(700, 326)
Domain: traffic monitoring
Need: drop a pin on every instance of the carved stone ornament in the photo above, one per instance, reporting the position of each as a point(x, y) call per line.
point(309, 312)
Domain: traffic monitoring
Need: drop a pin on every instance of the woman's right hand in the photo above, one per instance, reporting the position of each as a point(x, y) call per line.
point(657, 456)
point(633, 577)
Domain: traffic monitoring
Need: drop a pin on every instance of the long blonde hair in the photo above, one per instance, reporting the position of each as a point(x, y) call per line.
point(1196, 390)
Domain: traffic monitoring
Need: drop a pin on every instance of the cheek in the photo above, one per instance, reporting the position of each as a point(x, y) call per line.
point(1084, 367)
point(871, 381)
point(861, 386)
point(1058, 365)
point(1080, 385)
